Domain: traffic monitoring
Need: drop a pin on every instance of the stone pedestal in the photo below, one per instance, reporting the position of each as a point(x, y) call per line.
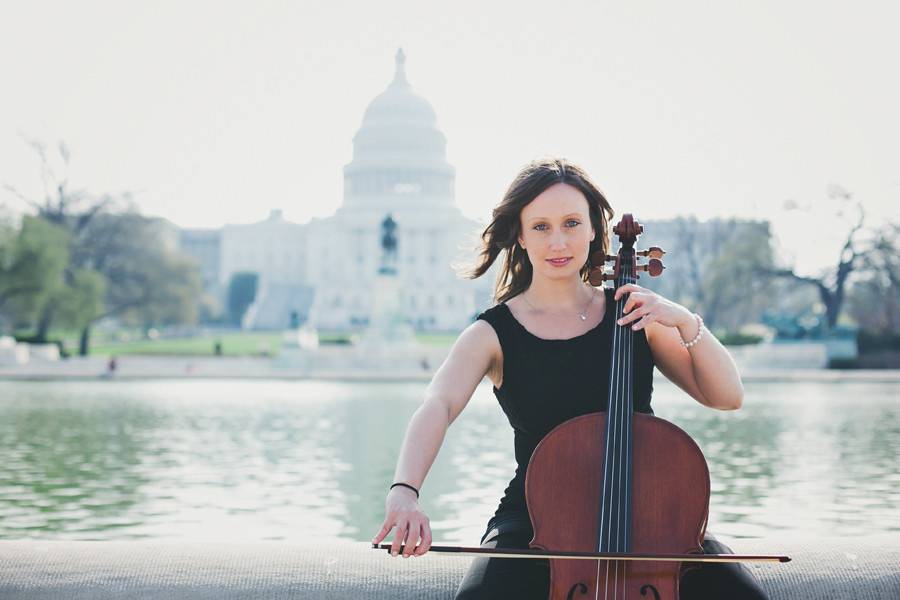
point(389, 342)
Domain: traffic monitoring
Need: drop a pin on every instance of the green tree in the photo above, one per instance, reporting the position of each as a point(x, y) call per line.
point(170, 295)
point(119, 262)
point(81, 300)
point(32, 267)
point(149, 282)
point(69, 208)
point(241, 293)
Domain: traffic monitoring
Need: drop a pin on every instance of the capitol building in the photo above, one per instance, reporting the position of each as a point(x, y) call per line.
point(322, 272)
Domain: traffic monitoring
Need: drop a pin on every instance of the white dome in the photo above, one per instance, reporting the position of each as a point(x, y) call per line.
point(399, 102)
point(399, 125)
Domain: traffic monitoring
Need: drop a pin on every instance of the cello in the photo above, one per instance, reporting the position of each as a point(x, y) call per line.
point(618, 500)
point(618, 481)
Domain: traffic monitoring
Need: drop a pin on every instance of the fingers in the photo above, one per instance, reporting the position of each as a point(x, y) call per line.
point(627, 289)
point(412, 538)
point(634, 299)
point(413, 535)
point(385, 529)
point(425, 544)
point(633, 315)
point(644, 322)
point(400, 537)
point(418, 541)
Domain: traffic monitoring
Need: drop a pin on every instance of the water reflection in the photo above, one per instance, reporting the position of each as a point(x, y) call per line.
point(249, 461)
point(70, 469)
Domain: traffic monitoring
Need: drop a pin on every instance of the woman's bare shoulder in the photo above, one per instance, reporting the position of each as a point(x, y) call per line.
point(482, 334)
point(486, 338)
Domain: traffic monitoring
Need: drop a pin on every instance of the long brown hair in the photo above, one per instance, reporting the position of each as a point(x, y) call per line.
point(502, 234)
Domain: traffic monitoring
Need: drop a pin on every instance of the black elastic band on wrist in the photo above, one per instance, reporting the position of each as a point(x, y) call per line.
point(406, 485)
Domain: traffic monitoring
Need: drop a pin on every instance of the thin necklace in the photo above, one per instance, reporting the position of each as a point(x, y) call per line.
point(582, 314)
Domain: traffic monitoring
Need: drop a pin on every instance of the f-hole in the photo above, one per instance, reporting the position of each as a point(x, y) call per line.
point(647, 587)
point(580, 587)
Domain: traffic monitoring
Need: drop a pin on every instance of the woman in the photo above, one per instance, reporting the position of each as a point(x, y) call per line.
point(548, 329)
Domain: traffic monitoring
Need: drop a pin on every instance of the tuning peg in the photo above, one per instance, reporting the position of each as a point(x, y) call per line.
point(598, 258)
point(654, 267)
point(652, 252)
point(597, 276)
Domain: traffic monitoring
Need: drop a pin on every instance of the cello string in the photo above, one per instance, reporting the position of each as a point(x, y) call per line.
point(621, 435)
point(617, 420)
point(608, 481)
point(603, 529)
point(616, 430)
point(629, 411)
point(606, 511)
point(619, 404)
point(624, 499)
point(621, 440)
point(626, 437)
point(614, 419)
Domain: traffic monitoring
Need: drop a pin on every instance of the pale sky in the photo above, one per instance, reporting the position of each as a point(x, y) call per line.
point(216, 112)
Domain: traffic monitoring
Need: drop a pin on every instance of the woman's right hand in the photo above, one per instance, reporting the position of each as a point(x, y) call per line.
point(413, 530)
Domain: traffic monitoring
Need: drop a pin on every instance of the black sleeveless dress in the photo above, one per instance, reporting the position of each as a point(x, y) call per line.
point(545, 383)
point(548, 382)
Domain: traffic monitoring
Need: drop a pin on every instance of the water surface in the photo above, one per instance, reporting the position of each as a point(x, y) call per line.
point(250, 461)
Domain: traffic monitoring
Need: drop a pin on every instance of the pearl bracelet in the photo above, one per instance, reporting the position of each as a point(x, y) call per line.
point(699, 335)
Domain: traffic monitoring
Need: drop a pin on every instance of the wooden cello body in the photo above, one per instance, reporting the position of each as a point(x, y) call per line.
point(670, 500)
point(618, 481)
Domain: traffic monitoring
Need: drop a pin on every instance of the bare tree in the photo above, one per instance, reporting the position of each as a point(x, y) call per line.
point(832, 285)
point(714, 268)
point(72, 209)
point(693, 259)
point(874, 298)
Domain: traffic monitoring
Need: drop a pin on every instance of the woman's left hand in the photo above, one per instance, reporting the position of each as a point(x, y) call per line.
point(650, 307)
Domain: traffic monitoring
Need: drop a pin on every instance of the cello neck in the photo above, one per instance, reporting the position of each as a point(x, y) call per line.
point(614, 523)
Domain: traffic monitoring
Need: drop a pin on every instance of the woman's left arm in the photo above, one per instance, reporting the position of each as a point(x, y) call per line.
point(706, 370)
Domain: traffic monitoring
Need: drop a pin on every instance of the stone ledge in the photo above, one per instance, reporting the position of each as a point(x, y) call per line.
point(830, 568)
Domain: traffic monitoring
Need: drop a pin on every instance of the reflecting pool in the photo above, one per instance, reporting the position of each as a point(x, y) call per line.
point(284, 460)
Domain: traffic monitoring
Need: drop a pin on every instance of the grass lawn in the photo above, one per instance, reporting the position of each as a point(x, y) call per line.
point(233, 344)
point(437, 339)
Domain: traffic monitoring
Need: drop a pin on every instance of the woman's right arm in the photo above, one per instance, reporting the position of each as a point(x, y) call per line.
point(470, 359)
